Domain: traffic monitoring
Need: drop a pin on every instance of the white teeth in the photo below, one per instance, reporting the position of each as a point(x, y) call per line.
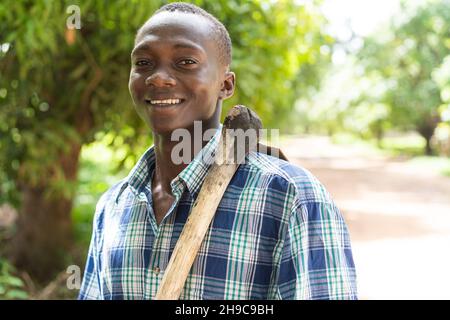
point(166, 101)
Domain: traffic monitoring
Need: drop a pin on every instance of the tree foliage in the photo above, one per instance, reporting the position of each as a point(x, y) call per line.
point(406, 57)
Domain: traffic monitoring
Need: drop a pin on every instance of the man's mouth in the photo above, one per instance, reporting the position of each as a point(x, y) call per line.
point(165, 102)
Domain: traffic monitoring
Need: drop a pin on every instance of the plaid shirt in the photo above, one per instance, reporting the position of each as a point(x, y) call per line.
point(276, 235)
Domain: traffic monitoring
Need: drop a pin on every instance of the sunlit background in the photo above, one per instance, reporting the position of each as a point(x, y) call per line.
point(360, 91)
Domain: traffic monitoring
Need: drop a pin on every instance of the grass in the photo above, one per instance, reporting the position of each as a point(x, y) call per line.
point(410, 147)
point(439, 164)
point(356, 142)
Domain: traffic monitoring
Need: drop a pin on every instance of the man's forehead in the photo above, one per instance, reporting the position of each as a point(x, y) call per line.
point(167, 24)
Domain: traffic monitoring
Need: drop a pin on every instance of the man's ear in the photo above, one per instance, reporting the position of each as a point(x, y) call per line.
point(228, 84)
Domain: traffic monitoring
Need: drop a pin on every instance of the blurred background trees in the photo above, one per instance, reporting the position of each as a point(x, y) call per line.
point(395, 79)
point(68, 129)
point(406, 56)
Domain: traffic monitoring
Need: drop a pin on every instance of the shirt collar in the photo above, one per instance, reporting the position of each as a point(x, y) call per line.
point(192, 176)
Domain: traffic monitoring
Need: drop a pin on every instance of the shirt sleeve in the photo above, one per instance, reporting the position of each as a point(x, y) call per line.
point(316, 260)
point(90, 289)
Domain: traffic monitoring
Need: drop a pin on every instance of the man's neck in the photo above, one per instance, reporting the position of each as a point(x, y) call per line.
point(165, 168)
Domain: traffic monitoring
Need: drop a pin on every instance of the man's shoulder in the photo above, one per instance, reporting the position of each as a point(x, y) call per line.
point(109, 197)
point(288, 176)
point(138, 175)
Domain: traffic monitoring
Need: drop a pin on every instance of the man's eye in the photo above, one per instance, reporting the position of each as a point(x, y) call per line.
point(141, 63)
point(187, 62)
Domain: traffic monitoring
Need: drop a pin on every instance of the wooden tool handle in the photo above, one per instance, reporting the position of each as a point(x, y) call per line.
point(205, 206)
point(194, 231)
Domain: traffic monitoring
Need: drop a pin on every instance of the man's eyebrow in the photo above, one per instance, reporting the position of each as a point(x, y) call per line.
point(187, 46)
point(179, 45)
point(141, 47)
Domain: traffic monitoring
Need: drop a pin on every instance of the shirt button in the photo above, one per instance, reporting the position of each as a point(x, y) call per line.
point(156, 270)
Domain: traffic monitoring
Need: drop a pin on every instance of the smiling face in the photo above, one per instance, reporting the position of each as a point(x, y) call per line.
point(176, 75)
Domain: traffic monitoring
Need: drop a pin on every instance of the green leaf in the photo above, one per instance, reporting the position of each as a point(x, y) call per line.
point(16, 294)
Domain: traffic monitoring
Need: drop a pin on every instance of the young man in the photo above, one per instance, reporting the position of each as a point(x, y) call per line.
point(276, 233)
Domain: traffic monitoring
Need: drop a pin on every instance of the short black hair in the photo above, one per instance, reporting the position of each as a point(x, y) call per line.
point(220, 33)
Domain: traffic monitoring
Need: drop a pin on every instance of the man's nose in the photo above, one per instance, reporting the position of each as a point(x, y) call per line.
point(160, 78)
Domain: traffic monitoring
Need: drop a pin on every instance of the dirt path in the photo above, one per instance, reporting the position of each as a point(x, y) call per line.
point(398, 216)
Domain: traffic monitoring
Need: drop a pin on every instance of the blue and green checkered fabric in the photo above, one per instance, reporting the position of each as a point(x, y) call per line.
point(277, 234)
